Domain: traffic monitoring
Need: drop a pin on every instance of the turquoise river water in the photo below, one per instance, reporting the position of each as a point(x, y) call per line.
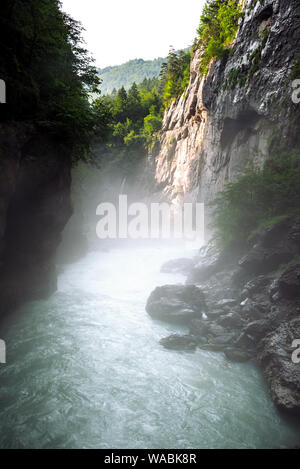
point(85, 370)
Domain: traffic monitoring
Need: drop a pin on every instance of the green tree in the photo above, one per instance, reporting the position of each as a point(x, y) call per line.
point(217, 29)
point(258, 196)
point(134, 119)
point(120, 105)
point(48, 72)
point(175, 75)
point(135, 109)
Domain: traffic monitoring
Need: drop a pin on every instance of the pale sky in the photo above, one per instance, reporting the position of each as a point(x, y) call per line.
point(118, 30)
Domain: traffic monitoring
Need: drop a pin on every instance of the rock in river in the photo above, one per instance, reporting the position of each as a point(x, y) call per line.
point(176, 303)
point(179, 342)
point(237, 355)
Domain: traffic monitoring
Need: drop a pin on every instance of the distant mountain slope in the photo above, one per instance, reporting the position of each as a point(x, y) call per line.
point(125, 74)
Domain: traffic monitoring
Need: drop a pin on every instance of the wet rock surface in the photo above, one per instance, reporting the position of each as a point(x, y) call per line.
point(180, 343)
point(259, 320)
point(209, 136)
point(275, 246)
point(35, 205)
point(225, 121)
point(282, 374)
point(176, 303)
point(289, 283)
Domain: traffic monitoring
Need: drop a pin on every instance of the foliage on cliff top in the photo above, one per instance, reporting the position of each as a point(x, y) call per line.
point(48, 72)
point(175, 75)
point(134, 118)
point(217, 29)
point(258, 196)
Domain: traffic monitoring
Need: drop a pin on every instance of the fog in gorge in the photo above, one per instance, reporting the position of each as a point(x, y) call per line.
point(86, 369)
point(135, 215)
point(150, 228)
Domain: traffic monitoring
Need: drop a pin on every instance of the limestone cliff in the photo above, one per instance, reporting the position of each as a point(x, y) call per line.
point(34, 208)
point(236, 115)
point(228, 118)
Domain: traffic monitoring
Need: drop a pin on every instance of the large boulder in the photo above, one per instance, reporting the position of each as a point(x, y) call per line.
point(283, 375)
point(236, 355)
point(176, 303)
point(180, 343)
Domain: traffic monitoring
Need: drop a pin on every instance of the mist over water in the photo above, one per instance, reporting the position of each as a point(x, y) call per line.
point(85, 370)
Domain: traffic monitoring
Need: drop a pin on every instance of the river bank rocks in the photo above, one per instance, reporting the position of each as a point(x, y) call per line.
point(283, 376)
point(179, 342)
point(255, 318)
point(289, 283)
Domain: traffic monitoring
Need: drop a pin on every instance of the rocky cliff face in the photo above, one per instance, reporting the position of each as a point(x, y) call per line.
point(232, 117)
point(251, 301)
point(227, 119)
point(34, 208)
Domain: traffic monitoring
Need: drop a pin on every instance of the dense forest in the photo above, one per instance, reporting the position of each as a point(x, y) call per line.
point(134, 113)
point(134, 117)
point(133, 71)
point(49, 76)
point(268, 194)
point(50, 79)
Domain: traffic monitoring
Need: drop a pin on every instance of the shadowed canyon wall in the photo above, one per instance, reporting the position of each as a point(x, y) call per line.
point(35, 205)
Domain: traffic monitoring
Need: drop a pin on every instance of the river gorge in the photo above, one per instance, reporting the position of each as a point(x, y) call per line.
point(85, 369)
point(152, 343)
